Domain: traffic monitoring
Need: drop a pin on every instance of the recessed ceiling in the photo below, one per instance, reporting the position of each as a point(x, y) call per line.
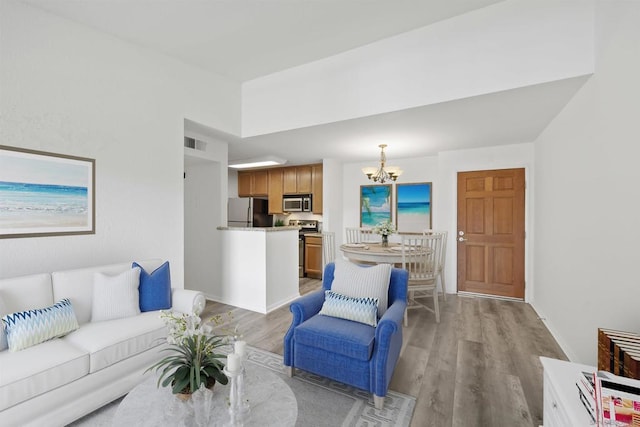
point(245, 39)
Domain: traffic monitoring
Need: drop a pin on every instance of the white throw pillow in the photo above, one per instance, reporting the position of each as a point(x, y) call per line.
point(115, 297)
point(3, 333)
point(356, 281)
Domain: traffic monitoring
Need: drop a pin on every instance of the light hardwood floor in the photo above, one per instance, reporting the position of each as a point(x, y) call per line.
point(478, 367)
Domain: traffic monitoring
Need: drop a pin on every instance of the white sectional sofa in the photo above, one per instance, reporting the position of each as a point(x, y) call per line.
point(58, 381)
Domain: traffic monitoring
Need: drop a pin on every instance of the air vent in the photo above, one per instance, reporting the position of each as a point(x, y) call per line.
point(195, 144)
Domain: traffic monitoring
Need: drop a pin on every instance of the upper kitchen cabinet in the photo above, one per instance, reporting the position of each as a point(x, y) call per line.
point(275, 190)
point(297, 180)
point(253, 183)
point(316, 189)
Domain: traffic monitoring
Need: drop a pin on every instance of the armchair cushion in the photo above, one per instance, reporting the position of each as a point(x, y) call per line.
point(358, 281)
point(363, 310)
point(351, 339)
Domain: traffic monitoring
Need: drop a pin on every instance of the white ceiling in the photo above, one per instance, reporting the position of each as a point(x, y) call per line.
point(245, 39)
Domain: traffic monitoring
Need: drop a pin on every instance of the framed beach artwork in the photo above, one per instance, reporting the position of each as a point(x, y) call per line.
point(375, 204)
point(45, 194)
point(413, 207)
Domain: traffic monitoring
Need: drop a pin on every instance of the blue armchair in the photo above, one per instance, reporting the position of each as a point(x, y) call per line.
point(353, 353)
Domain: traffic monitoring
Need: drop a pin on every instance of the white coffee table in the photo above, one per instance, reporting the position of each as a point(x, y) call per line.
point(271, 401)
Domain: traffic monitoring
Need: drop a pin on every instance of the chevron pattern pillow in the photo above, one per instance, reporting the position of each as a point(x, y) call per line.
point(362, 310)
point(28, 328)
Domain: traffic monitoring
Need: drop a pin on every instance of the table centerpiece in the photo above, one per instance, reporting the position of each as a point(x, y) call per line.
point(384, 228)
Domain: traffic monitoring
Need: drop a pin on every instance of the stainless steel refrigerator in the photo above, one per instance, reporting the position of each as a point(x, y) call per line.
point(248, 212)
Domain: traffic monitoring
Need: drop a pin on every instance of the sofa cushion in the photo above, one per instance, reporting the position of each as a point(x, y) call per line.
point(27, 292)
point(111, 341)
point(115, 297)
point(155, 288)
point(39, 369)
point(351, 339)
point(358, 281)
point(28, 328)
point(363, 310)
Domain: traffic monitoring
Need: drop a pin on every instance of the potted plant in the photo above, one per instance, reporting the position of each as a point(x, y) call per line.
point(384, 228)
point(193, 360)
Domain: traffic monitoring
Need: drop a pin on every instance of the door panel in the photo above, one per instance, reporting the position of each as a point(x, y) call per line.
point(491, 218)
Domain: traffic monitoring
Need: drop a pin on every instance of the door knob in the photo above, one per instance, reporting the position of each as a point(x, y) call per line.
point(461, 239)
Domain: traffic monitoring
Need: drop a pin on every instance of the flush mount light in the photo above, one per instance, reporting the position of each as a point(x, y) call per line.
point(257, 162)
point(380, 174)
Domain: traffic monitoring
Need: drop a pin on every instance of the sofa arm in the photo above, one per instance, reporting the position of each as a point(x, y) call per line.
point(187, 301)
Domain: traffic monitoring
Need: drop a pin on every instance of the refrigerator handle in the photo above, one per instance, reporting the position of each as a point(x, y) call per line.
point(249, 219)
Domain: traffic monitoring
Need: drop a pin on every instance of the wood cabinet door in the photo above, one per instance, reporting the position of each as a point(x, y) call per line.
point(303, 179)
point(244, 184)
point(313, 257)
point(275, 191)
point(490, 235)
point(290, 185)
point(316, 189)
point(260, 182)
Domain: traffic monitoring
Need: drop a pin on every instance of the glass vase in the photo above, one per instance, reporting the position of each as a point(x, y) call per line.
point(385, 240)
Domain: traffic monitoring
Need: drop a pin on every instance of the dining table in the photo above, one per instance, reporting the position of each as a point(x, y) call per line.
point(373, 253)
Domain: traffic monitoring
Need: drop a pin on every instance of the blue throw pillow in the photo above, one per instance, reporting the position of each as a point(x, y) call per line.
point(30, 327)
point(362, 310)
point(155, 288)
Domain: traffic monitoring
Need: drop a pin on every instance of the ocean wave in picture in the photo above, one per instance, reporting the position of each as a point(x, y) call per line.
point(41, 205)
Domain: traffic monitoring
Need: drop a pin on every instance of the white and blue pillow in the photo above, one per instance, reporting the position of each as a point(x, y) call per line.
point(363, 282)
point(28, 328)
point(362, 310)
point(155, 288)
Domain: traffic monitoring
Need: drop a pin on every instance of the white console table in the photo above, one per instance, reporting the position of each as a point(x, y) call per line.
point(561, 405)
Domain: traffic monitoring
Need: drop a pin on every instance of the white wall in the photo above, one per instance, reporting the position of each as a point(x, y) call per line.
point(586, 194)
point(495, 48)
point(205, 208)
point(68, 89)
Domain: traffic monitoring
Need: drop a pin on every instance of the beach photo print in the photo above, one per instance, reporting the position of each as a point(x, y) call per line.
point(413, 207)
point(45, 194)
point(375, 204)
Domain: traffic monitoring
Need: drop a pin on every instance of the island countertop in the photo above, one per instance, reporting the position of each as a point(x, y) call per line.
point(263, 229)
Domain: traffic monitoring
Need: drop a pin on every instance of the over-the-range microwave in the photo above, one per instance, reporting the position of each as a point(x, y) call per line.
point(298, 203)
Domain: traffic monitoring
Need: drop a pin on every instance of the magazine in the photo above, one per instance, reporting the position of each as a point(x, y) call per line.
point(618, 400)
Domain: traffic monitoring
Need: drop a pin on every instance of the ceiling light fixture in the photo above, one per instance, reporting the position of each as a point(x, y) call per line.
point(380, 174)
point(257, 162)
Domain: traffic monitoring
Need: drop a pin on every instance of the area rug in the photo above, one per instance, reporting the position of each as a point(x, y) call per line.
point(321, 402)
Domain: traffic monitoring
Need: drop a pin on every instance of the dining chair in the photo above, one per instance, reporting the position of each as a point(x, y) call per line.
point(328, 248)
point(353, 234)
point(420, 257)
point(443, 255)
point(360, 234)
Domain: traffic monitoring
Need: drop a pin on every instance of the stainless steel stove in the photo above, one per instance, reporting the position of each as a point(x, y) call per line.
point(306, 226)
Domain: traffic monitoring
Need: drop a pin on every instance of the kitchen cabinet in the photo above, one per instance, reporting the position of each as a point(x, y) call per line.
point(313, 256)
point(252, 183)
point(275, 177)
point(316, 189)
point(297, 180)
point(274, 183)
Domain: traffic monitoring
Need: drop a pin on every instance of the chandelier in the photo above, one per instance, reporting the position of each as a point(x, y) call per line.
point(380, 174)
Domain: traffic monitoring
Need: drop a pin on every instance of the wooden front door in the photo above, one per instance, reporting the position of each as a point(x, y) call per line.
point(490, 235)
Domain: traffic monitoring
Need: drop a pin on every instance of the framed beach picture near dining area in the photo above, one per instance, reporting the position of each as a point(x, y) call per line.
point(413, 207)
point(375, 204)
point(45, 194)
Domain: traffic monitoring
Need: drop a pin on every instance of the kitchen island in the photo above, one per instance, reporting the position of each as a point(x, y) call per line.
point(259, 267)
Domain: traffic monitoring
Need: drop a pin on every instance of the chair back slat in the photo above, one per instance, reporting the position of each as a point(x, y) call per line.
point(421, 256)
point(359, 234)
point(328, 247)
